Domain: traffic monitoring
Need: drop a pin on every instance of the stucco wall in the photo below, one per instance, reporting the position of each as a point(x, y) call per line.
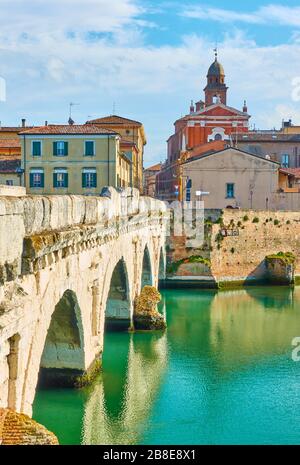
point(246, 172)
point(105, 161)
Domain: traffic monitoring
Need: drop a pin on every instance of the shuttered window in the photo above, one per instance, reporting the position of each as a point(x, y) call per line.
point(229, 190)
point(60, 178)
point(60, 148)
point(36, 148)
point(89, 178)
point(36, 179)
point(89, 148)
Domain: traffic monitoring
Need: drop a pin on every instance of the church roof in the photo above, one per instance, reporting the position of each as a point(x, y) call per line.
point(216, 69)
point(243, 152)
point(216, 110)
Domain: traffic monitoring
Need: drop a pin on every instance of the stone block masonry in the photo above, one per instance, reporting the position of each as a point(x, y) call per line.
point(64, 261)
point(235, 245)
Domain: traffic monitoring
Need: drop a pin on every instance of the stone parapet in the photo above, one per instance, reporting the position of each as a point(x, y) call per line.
point(34, 226)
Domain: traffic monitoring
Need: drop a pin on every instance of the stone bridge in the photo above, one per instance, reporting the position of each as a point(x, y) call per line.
point(68, 265)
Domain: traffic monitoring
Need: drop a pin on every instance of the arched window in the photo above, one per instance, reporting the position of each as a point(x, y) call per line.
point(218, 137)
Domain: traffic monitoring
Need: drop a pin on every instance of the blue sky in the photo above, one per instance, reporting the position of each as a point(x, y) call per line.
point(150, 58)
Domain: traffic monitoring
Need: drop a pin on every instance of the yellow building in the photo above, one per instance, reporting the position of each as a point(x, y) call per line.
point(133, 140)
point(72, 159)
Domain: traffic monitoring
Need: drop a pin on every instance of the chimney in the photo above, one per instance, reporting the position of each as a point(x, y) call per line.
point(23, 122)
point(245, 109)
point(46, 123)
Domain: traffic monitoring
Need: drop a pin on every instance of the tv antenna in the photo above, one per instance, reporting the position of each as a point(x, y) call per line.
point(71, 105)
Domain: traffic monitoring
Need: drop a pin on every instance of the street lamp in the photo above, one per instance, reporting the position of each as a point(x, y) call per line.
point(200, 193)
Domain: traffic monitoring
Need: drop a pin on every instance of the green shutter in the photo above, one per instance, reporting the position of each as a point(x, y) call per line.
point(42, 180)
point(66, 180)
point(54, 179)
point(83, 180)
point(31, 180)
point(66, 148)
point(55, 148)
point(36, 148)
point(89, 148)
point(95, 180)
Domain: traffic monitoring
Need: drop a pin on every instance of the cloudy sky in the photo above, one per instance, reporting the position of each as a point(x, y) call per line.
point(150, 58)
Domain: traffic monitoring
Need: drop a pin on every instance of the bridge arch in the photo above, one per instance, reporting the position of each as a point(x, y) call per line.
point(64, 344)
point(57, 346)
point(162, 264)
point(147, 278)
point(118, 302)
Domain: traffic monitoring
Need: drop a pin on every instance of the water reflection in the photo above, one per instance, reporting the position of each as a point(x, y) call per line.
point(108, 420)
point(222, 373)
point(253, 323)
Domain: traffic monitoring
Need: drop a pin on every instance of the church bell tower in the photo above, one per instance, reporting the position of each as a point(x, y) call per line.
point(216, 89)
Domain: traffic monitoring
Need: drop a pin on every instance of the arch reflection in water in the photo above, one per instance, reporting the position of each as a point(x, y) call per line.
point(103, 422)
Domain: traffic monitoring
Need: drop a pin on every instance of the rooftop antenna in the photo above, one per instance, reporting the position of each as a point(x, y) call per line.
point(72, 104)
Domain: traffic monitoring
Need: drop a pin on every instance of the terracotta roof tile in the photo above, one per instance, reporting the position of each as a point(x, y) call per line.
point(13, 128)
point(68, 129)
point(292, 171)
point(114, 119)
point(9, 143)
point(156, 167)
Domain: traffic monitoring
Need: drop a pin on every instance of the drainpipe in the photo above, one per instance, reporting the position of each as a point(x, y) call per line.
point(108, 173)
point(24, 160)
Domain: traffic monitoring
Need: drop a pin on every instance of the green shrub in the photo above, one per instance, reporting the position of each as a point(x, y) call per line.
point(173, 267)
point(287, 258)
point(232, 250)
point(255, 220)
point(245, 218)
point(276, 222)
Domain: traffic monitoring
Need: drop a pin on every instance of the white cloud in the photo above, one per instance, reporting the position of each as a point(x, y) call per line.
point(49, 58)
point(268, 14)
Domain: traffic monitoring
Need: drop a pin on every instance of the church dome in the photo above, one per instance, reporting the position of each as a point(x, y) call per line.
point(216, 69)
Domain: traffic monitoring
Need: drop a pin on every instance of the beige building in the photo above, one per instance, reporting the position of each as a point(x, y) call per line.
point(133, 140)
point(231, 178)
point(72, 159)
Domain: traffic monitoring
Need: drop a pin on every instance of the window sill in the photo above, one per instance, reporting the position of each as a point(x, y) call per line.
point(229, 198)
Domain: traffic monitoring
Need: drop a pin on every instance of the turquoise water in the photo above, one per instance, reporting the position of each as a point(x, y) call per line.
point(221, 374)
